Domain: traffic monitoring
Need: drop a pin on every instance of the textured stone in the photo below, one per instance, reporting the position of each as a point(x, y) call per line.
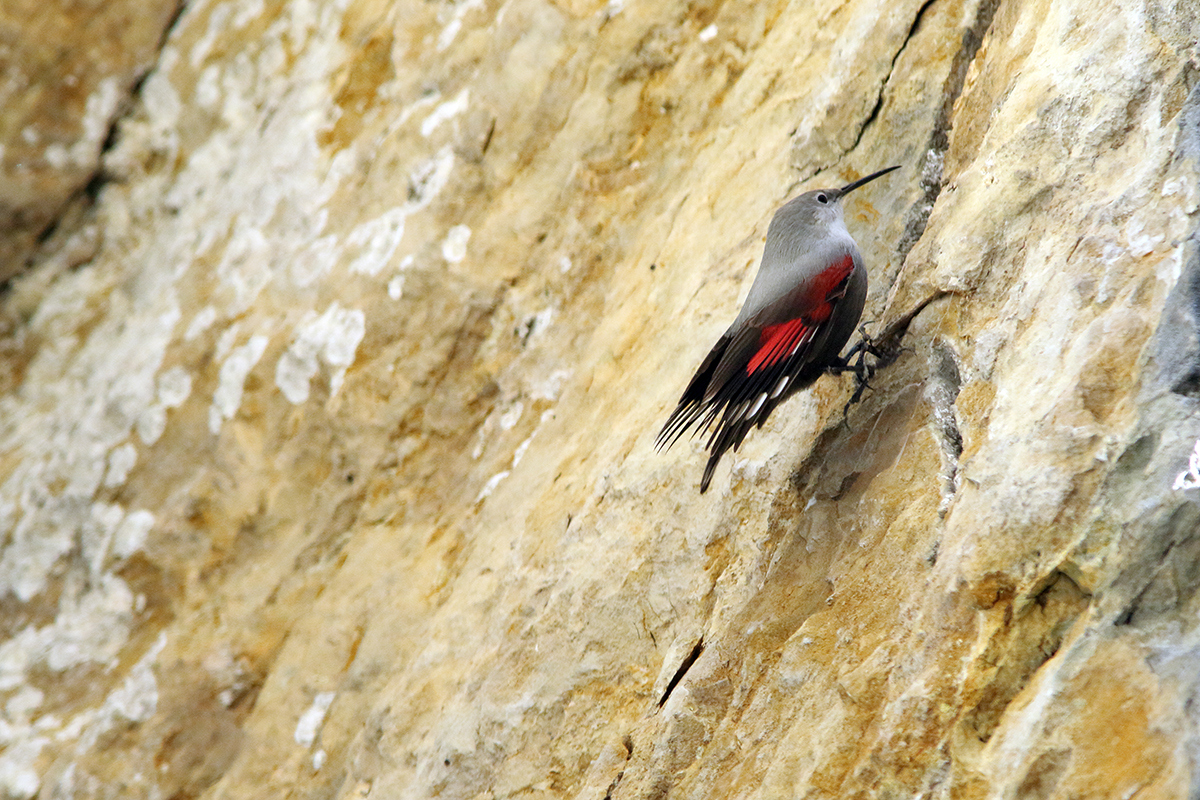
point(67, 72)
point(326, 445)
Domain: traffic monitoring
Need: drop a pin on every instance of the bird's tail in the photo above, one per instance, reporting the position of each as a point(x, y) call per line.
point(709, 468)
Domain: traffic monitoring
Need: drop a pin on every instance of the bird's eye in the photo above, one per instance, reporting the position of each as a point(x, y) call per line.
point(821, 198)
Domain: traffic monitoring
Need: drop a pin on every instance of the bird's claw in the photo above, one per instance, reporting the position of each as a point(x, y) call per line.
point(856, 362)
point(865, 345)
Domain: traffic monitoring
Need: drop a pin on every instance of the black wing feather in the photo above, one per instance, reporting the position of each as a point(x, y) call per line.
point(723, 391)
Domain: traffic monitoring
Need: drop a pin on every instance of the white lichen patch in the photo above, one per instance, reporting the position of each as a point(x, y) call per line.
point(429, 177)
point(224, 213)
point(311, 720)
point(130, 535)
point(1190, 477)
point(406, 113)
point(247, 11)
point(23, 734)
point(226, 341)
point(505, 417)
point(454, 24)
point(540, 322)
point(91, 627)
point(99, 110)
point(454, 246)
point(491, 485)
point(120, 462)
point(203, 320)
point(20, 750)
point(228, 396)
point(70, 427)
point(445, 112)
point(208, 87)
point(550, 386)
point(377, 241)
point(174, 386)
point(511, 416)
point(151, 423)
point(1141, 242)
point(316, 261)
point(258, 187)
point(246, 267)
point(332, 338)
point(250, 200)
point(518, 454)
point(135, 700)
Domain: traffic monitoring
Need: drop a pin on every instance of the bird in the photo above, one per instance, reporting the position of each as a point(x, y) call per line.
point(805, 303)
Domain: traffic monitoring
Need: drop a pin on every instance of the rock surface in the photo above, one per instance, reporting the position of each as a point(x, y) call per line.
point(326, 454)
point(66, 71)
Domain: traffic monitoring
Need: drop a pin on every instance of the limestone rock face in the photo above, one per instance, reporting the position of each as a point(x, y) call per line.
point(326, 453)
point(66, 70)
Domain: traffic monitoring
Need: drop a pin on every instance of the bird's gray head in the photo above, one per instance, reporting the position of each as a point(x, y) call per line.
point(824, 205)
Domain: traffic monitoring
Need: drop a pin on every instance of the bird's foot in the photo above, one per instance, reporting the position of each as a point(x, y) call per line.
point(884, 349)
point(856, 362)
point(867, 345)
point(862, 385)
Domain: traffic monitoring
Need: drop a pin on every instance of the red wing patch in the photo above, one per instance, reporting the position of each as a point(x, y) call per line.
point(777, 341)
point(827, 286)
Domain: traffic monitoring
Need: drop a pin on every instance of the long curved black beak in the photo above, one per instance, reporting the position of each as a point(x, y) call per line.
point(850, 187)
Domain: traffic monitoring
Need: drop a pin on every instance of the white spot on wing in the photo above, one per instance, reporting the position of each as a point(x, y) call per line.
point(758, 404)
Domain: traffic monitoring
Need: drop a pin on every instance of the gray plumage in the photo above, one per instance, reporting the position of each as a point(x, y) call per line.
point(803, 306)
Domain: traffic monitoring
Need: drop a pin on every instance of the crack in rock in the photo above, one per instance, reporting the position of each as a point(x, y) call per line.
point(939, 138)
point(942, 392)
